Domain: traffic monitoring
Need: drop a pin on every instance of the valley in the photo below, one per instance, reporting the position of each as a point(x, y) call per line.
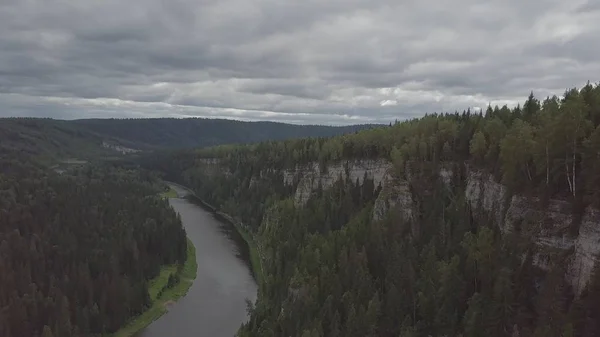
point(455, 224)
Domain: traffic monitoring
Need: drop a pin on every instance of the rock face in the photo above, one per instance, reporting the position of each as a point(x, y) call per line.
point(213, 166)
point(482, 192)
point(311, 176)
point(394, 194)
point(587, 248)
point(546, 225)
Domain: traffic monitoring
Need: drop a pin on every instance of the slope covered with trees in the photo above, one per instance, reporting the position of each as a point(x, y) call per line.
point(200, 132)
point(331, 269)
point(24, 137)
point(77, 250)
point(35, 141)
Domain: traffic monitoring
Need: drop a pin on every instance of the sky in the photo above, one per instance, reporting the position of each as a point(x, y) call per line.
point(306, 62)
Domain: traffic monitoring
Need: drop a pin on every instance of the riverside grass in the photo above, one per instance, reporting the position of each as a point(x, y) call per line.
point(158, 308)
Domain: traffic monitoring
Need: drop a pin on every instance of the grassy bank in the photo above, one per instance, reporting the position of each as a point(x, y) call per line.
point(171, 193)
point(187, 276)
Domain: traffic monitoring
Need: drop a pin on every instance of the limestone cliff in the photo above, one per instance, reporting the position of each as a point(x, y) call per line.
point(313, 175)
point(546, 225)
point(395, 194)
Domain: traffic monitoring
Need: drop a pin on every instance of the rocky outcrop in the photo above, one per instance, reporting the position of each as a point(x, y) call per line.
point(483, 193)
point(213, 166)
point(394, 194)
point(587, 248)
point(547, 225)
point(312, 176)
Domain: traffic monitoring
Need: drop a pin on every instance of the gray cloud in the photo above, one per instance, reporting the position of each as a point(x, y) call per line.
point(331, 62)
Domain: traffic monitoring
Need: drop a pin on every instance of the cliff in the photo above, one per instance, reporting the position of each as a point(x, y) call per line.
point(311, 176)
point(546, 225)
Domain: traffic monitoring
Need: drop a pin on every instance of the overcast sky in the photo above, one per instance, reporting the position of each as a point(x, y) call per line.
point(300, 61)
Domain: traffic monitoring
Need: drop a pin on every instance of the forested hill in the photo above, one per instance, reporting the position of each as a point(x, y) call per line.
point(200, 132)
point(26, 137)
point(88, 138)
point(78, 248)
point(456, 224)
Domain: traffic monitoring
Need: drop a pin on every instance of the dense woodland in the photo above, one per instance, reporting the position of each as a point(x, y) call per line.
point(24, 137)
point(331, 270)
point(198, 132)
point(77, 249)
point(78, 243)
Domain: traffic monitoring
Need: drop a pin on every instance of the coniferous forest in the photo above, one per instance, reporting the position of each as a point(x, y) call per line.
point(332, 269)
point(77, 249)
point(78, 246)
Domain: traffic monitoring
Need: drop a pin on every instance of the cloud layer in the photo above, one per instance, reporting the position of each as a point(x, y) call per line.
point(312, 61)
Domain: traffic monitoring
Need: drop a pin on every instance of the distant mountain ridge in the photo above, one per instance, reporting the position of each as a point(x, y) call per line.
point(87, 138)
point(201, 132)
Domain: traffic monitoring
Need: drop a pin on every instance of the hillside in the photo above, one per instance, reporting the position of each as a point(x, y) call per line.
point(449, 225)
point(78, 248)
point(36, 140)
point(36, 136)
point(199, 132)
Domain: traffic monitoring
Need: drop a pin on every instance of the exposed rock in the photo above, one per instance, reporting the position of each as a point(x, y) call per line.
point(587, 248)
point(119, 148)
point(289, 176)
point(394, 194)
point(213, 166)
point(543, 222)
point(482, 192)
point(209, 161)
point(546, 226)
point(313, 175)
point(446, 173)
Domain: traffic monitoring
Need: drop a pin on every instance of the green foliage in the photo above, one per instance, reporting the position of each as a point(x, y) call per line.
point(330, 269)
point(161, 294)
point(77, 250)
point(199, 132)
point(478, 146)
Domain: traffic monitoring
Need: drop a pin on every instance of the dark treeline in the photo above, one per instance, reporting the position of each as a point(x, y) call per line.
point(332, 270)
point(77, 250)
point(198, 132)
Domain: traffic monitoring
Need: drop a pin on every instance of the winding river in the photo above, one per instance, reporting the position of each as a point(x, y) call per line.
point(215, 304)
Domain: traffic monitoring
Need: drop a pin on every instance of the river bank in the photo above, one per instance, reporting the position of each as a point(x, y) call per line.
point(216, 303)
point(254, 250)
point(162, 299)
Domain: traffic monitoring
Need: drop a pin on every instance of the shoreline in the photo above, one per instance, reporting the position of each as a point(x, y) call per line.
point(160, 305)
point(254, 250)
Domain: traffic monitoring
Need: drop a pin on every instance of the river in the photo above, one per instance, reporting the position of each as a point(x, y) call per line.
point(215, 304)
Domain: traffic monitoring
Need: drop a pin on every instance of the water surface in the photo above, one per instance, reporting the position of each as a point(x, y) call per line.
point(216, 302)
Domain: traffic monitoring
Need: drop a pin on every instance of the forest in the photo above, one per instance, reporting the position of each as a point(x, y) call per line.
point(172, 133)
point(332, 270)
point(82, 229)
point(84, 137)
point(77, 249)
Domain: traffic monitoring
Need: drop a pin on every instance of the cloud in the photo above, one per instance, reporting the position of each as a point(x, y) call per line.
point(328, 62)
